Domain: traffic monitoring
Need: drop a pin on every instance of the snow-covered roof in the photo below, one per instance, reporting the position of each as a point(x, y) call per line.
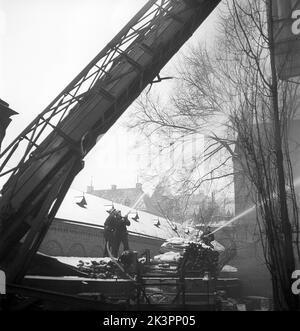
point(95, 213)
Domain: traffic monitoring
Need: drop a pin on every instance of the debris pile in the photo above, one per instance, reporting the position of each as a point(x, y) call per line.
point(106, 268)
point(180, 255)
point(166, 263)
point(103, 268)
point(168, 257)
point(174, 245)
point(199, 259)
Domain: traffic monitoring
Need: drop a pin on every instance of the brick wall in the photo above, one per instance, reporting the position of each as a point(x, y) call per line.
point(70, 239)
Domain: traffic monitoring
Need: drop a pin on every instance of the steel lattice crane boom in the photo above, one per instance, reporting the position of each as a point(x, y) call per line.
point(58, 139)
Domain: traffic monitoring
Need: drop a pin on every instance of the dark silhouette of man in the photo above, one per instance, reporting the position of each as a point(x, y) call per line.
point(121, 234)
point(207, 237)
point(109, 231)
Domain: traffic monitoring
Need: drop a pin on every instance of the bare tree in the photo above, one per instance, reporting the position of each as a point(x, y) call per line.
point(232, 95)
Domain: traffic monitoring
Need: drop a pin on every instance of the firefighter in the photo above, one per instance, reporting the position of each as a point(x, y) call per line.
point(109, 231)
point(121, 234)
point(207, 237)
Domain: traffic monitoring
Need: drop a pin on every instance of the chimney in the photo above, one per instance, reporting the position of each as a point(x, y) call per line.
point(113, 187)
point(90, 189)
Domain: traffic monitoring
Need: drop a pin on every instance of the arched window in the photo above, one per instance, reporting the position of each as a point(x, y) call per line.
point(77, 250)
point(53, 248)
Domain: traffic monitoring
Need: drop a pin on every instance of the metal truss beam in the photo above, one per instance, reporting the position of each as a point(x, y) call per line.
point(68, 128)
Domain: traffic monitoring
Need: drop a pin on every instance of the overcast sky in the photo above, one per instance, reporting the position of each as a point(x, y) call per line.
point(44, 44)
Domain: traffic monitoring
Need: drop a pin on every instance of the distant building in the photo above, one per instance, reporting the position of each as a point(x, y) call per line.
point(124, 196)
point(177, 207)
point(133, 197)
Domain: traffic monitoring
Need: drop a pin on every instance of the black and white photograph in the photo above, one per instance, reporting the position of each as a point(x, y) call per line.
point(149, 159)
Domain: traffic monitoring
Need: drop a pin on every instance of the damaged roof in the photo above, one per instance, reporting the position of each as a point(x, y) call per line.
point(93, 211)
